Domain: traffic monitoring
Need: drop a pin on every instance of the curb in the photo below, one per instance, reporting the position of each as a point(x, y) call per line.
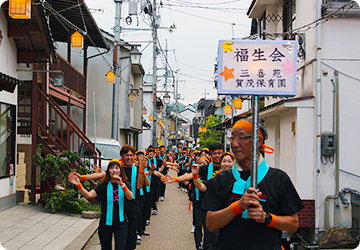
point(84, 236)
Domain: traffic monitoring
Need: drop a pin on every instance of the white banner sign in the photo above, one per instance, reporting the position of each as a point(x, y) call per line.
point(257, 67)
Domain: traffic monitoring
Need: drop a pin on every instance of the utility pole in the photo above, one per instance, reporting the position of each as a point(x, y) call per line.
point(154, 37)
point(176, 111)
point(117, 69)
point(165, 86)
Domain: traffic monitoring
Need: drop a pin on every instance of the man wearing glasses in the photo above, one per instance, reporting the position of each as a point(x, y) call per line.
point(248, 218)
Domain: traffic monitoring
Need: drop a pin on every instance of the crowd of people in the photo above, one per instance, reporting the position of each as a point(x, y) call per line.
point(227, 211)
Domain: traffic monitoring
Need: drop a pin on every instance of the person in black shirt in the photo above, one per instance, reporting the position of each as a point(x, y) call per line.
point(164, 172)
point(248, 218)
point(112, 195)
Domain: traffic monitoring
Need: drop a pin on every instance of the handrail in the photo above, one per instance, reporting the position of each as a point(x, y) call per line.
point(72, 125)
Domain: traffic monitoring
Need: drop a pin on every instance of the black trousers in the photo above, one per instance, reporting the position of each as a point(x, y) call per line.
point(105, 236)
point(141, 204)
point(162, 189)
point(155, 195)
point(132, 215)
point(147, 209)
point(199, 217)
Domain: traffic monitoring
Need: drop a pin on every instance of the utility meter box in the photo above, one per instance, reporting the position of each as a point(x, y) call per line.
point(328, 143)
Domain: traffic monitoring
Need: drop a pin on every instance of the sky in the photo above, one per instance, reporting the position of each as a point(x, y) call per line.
point(192, 46)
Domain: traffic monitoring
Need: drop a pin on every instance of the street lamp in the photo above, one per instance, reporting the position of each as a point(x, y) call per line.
point(135, 56)
point(166, 99)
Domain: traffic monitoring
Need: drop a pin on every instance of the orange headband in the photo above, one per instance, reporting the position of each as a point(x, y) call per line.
point(248, 126)
point(115, 160)
point(204, 158)
point(217, 150)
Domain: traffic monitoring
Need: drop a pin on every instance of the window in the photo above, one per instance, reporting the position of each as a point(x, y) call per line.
point(7, 139)
point(288, 17)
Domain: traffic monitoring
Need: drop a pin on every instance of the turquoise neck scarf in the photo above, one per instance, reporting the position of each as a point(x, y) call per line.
point(110, 199)
point(149, 176)
point(209, 175)
point(240, 186)
point(133, 181)
point(161, 157)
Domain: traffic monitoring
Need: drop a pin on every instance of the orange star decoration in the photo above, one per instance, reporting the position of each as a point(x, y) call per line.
point(227, 73)
point(227, 46)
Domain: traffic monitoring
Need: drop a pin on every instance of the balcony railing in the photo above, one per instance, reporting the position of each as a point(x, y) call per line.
point(73, 79)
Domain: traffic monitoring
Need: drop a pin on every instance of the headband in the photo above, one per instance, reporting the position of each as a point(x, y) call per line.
point(248, 126)
point(217, 150)
point(114, 160)
point(205, 158)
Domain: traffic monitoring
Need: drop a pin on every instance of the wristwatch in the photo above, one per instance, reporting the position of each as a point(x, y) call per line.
point(268, 219)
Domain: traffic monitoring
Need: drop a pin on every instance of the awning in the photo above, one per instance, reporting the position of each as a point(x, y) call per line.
point(8, 83)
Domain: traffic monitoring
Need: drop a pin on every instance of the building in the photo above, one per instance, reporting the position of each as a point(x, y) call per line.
point(324, 107)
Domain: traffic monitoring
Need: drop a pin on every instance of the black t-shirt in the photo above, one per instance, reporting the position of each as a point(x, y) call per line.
point(280, 198)
point(132, 204)
point(154, 179)
point(101, 191)
point(203, 174)
point(161, 158)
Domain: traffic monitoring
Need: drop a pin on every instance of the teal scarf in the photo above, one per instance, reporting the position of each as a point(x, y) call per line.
point(110, 203)
point(149, 176)
point(209, 175)
point(240, 186)
point(133, 181)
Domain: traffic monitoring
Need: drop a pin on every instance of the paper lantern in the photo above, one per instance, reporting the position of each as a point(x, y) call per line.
point(204, 129)
point(200, 129)
point(143, 111)
point(77, 40)
point(20, 9)
point(110, 77)
point(237, 103)
point(227, 110)
point(151, 118)
point(132, 97)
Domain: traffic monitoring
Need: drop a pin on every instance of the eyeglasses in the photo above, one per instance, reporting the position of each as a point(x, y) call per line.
point(239, 139)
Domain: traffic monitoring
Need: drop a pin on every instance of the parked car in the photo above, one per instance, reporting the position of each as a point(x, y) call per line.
point(109, 148)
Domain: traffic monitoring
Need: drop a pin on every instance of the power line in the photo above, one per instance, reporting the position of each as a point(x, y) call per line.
point(206, 18)
point(232, 1)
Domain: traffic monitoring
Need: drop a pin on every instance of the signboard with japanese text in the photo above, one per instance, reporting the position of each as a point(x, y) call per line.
point(257, 67)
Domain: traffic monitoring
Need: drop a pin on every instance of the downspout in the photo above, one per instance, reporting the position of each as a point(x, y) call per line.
point(318, 122)
point(336, 131)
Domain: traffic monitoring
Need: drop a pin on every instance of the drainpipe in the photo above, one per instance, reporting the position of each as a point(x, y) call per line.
point(336, 131)
point(318, 122)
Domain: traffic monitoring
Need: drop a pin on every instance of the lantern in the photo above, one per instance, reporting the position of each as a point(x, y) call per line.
point(227, 110)
point(20, 9)
point(200, 129)
point(143, 111)
point(237, 103)
point(151, 118)
point(132, 97)
point(77, 40)
point(204, 129)
point(110, 77)
point(218, 103)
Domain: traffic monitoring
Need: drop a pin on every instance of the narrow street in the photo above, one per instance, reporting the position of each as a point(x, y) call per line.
point(170, 229)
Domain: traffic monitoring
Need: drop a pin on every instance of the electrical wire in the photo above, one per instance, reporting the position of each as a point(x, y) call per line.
point(229, 10)
point(357, 79)
point(232, 1)
point(206, 18)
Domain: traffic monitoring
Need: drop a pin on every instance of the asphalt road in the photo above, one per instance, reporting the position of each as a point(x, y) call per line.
point(170, 229)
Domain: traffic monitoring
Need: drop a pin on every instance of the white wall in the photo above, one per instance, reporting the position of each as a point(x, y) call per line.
point(8, 66)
